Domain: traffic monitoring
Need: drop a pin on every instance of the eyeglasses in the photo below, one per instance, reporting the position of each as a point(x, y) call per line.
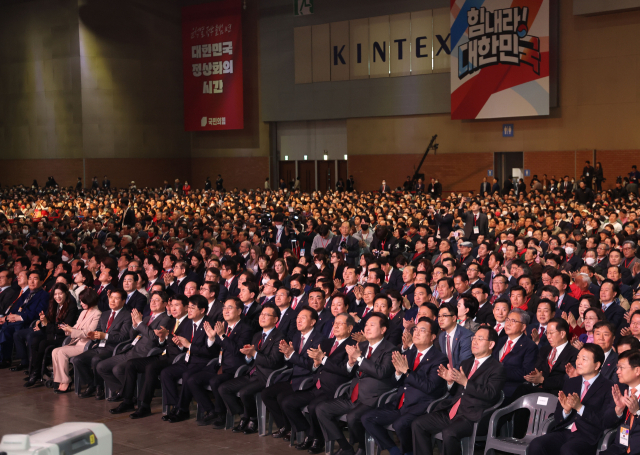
point(422, 330)
point(228, 308)
point(513, 321)
point(442, 316)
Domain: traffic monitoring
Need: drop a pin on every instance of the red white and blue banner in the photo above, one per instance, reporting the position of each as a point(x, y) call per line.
point(212, 60)
point(499, 58)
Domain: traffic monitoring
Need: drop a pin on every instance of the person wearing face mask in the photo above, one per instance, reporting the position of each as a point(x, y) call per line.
point(384, 188)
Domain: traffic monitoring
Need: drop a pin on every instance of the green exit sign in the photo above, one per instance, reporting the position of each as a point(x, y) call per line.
point(302, 7)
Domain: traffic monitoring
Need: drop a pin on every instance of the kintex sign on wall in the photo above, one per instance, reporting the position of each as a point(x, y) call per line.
point(385, 46)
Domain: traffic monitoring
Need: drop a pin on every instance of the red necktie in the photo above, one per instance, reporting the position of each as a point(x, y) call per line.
point(227, 284)
point(335, 346)
point(506, 351)
point(455, 407)
point(551, 360)
point(498, 327)
point(386, 278)
point(295, 303)
point(331, 335)
point(100, 290)
point(366, 310)
point(354, 394)
point(415, 365)
point(584, 392)
point(151, 318)
point(228, 331)
point(110, 321)
point(301, 345)
point(193, 332)
point(449, 354)
point(541, 331)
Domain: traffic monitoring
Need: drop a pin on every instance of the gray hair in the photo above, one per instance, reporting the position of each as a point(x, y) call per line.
point(524, 316)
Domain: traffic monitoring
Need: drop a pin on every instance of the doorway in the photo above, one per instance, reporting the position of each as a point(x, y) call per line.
point(287, 173)
point(508, 165)
point(307, 174)
point(326, 175)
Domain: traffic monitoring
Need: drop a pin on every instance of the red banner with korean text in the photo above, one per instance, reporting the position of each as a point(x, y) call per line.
point(212, 60)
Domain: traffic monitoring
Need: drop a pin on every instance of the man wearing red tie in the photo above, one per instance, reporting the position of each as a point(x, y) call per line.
point(371, 366)
point(418, 385)
point(583, 411)
point(473, 388)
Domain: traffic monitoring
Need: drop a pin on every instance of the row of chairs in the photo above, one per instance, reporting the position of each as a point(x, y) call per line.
point(497, 434)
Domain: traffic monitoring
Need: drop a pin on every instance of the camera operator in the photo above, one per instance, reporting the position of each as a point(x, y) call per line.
point(345, 243)
point(280, 235)
point(305, 238)
point(444, 221)
point(380, 245)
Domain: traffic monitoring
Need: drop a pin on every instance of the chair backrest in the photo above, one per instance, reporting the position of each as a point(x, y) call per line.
point(540, 406)
point(342, 388)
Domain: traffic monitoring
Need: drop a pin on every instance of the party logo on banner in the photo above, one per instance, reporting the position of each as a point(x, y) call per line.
point(212, 55)
point(499, 59)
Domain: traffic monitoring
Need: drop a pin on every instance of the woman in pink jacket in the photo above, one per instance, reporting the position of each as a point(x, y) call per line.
point(87, 322)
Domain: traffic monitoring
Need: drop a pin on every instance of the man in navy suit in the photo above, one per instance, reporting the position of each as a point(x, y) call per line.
point(566, 303)
point(537, 330)
point(229, 336)
point(603, 336)
point(610, 304)
point(24, 311)
point(296, 355)
point(516, 351)
point(287, 322)
point(135, 299)
point(392, 276)
point(581, 414)
point(625, 398)
point(418, 385)
point(228, 274)
point(454, 340)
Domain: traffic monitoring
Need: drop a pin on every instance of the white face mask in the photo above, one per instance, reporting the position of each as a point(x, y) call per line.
point(25, 231)
point(590, 261)
point(569, 251)
point(65, 258)
point(319, 265)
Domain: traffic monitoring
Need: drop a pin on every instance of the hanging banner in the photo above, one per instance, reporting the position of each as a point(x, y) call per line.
point(212, 59)
point(499, 58)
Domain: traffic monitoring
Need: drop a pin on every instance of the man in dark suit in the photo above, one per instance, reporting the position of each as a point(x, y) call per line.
point(475, 222)
point(230, 280)
point(604, 335)
point(329, 370)
point(392, 276)
point(106, 276)
point(230, 336)
point(24, 310)
point(135, 300)
point(106, 183)
point(371, 366)
point(287, 322)
point(251, 312)
point(151, 367)
point(625, 408)
point(142, 332)
point(444, 222)
point(454, 340)
point(8, 295)
point(317, 302)
point(384, 188)
point(345, 243)
point(128, 214)
point(114, 327)
point(418, 385)
point(495, 188)
point(264, 356)
point(296, 355)
point(199, 353)
point(517, 352)
point(550, 371)
point(480, 291)
point(474, 389)
point(180, 278)
point(582, 411)
point(566, 303)
point(210, 290)
point(485, 187)
point(537, 330)
point(610, 304)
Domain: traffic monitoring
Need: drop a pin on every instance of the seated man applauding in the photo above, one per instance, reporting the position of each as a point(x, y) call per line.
point(581, 414)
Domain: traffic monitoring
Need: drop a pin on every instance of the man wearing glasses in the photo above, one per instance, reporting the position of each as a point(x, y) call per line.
point(229, 336)
point(473, 387)
point(454, 340)
point(517, 352)
point(418, 385)
point(264, 356)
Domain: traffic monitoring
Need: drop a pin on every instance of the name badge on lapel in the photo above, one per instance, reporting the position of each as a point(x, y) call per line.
point(133, 343)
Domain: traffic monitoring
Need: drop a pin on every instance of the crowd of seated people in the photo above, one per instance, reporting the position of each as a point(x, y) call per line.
point(446, 305)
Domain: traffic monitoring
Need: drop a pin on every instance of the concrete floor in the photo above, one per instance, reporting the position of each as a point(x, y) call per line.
point(27, 410)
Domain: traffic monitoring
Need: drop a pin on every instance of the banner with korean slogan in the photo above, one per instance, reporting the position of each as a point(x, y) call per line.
point(212, 60)
point(499, 58)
